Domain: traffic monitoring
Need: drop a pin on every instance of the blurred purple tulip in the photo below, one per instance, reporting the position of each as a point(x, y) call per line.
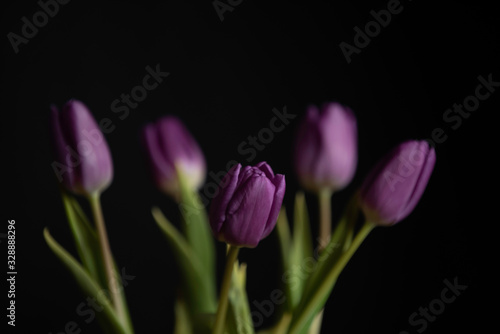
point(83, 160)
point(326, 148)
point(247, 205)
point(394, 186)
point(169, 144)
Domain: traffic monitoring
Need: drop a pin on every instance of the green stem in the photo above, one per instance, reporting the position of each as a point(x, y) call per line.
point(319, 297)
point(325, 235)
point(113, 285)
point(220, 317)
point(325, 217)
point(352, 217)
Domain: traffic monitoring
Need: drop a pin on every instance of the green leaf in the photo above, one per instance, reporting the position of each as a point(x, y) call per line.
point(200, 293)
point(196, 228)
point(293, 251)
point(88, 248)
point(239, 319)
point(85, 237)
point(284, 237)
point(123, 300)
point(313, 302)
point(301, 253)
point(285, 242)
point(89, 287)
point(340, 241)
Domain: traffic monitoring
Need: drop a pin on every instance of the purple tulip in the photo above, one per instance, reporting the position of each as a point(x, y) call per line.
point(394, 186)
point(326, 148)
point(83, 161)
point(169, 145)
point(247, 205)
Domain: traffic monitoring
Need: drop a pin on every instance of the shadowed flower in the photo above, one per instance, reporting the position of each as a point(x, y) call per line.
point(168, 146)
point(325, 154)
point(82, 158)
point(394, 186)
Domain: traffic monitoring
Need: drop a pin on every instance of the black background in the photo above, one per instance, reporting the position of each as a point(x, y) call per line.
point(225, 79)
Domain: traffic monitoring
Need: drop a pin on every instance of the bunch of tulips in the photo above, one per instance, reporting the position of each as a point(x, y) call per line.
point(246, 208)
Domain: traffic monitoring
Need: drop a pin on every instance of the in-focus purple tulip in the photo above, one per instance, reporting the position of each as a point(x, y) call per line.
point(82, 158)
point(394, 186)
point(247, 205)
point(169, 145)
point(326, 148)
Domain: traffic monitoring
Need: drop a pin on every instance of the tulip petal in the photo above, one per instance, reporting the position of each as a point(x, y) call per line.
point(221, 200)
point(395, 185)
point(172, 146)
point(338, 130)
point(279, 193)
point(263, 166)
point(308, 147)
point(371, 190)
point(95, 167)
point(326, 148)
point(398, 182)
point(59, 144)
point(178, 144)
point(244, 175)
point(248, 211)
point(388, 191)
point(429, 160)
point(161, 170)
point(246, 208)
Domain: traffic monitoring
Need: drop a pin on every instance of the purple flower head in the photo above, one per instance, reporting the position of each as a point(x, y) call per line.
point(169, 145)
point(326, 148)
point(246, 207)
point(394, 186)
point(82, 158)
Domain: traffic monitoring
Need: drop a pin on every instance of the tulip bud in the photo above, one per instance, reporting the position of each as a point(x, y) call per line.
point(83, 161)
point(394, 186)
point(168, 146)
point(246, 207)
point(326, 148)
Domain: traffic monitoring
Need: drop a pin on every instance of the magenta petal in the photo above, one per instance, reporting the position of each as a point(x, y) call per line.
point(326, 148)
point(421, 182)
point(246, 208)
point(66, 174)
point(394, 186)
point(308, 146)
point(263, 166)
point(170, 146)
point(279, 194)
point(338, 159)
point(177, 143)
point(221, 200)
point(81, 149)
point(245, 173)
point(248, 211)
point(160, 168)
point(95, 170)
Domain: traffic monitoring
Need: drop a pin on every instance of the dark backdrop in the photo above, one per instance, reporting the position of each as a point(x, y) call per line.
point(225, 79)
